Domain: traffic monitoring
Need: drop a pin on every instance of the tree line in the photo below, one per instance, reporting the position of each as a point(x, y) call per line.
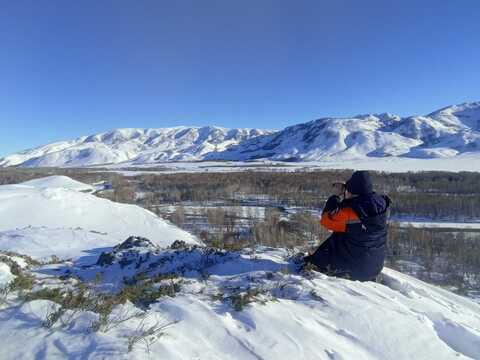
point(433, 195)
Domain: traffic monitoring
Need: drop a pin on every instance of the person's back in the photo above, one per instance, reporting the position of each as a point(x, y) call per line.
point(357, 247)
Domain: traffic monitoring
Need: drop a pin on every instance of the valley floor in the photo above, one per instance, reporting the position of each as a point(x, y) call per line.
point(464, 162)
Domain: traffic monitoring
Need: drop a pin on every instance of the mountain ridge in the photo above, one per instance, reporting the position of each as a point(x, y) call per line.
point(180, 143)
point(446, 132)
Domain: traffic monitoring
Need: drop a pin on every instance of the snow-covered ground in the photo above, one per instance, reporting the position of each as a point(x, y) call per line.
point(63, 220)
point(59, 181)
point(245, 306)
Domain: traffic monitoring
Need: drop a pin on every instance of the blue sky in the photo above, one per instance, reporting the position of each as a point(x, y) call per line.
point(71, 68)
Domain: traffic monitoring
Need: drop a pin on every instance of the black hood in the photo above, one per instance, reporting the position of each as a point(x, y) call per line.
point(360, 183)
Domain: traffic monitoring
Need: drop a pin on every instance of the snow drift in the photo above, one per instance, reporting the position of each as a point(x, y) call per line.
point(59, 181)
point(42, 220)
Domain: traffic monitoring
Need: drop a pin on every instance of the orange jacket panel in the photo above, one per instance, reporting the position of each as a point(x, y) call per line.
point(338, 222)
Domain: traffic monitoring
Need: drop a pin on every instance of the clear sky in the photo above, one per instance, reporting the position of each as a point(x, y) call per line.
point(70, 68)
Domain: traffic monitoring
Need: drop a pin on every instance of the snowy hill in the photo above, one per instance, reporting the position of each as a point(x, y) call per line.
point(47, 220)
point(189, 302)
point(137, 146)
point(444, 133)
point(58, 181)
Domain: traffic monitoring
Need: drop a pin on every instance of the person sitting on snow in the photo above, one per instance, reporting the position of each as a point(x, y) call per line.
point(356, 249)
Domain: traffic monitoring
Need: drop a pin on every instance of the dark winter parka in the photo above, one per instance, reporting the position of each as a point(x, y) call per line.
point(356, 249)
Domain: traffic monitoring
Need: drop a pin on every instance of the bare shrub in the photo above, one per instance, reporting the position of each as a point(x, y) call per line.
point(22, 282)
point(4, 291)
point(54, 313)
point(147, 334)
point(107, 322)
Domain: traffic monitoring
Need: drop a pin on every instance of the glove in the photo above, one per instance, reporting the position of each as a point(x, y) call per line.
point(332, 204)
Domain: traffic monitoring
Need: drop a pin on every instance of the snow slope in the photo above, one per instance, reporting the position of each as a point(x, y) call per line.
point(42, 221)
point(135, 145)
point(290, 316)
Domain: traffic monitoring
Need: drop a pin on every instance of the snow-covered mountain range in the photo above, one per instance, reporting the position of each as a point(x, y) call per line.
point(444, 133)
point(138, 146)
